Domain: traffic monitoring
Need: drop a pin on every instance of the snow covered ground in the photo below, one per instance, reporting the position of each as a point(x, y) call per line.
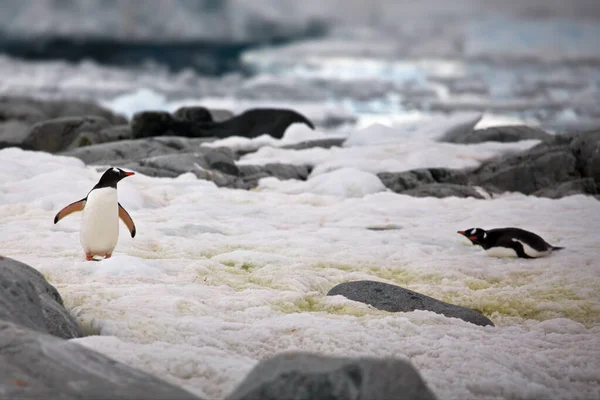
point(217, 279)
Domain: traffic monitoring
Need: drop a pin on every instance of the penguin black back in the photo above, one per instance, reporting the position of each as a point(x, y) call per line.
point(524, 243)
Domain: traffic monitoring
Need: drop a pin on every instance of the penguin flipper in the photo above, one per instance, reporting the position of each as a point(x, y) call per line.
point(126, 218)
point(71, 208)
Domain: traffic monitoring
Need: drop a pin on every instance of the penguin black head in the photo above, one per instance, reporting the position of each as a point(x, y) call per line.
point(475, 235)
point(111, 177)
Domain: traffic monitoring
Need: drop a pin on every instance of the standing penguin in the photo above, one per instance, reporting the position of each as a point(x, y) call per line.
point(502, 242)
point(99, 230)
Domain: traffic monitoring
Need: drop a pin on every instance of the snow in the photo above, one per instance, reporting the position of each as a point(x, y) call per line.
point(217, 279)
point(343, 182)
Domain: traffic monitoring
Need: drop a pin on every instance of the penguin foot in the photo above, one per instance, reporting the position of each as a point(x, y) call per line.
point(89, 257)
point(107, 256)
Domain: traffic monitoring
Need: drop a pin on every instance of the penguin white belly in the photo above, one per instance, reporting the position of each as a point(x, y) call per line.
point(530, 251)
point(501, 252)
point(99, 232)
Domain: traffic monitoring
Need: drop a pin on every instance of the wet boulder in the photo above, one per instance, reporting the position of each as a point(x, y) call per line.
point(392, 298)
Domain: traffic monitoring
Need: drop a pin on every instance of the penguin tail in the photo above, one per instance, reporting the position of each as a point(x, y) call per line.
point(556, 248)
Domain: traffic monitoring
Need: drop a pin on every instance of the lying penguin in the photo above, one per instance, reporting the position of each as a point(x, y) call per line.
point(99, 230)
point(509, 242)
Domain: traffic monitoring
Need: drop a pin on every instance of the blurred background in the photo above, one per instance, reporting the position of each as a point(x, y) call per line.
point(339, 61)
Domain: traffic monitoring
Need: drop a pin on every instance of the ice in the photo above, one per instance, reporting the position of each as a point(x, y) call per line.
point(217, 279)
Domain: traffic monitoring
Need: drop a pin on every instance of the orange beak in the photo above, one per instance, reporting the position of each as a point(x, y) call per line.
point(129, 173)
point(469, 237)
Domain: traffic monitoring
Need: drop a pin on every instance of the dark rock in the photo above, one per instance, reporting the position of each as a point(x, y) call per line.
point(193, 114)
point(400, 182)
point(151, 171)
point(178, 163)
point(250, 124)
point(152, 123)
point(13, 133)
point(34, 365)
point(173, 156)
point(133, 150)
point(537, 168)
point(258, 121)
point(19, 303)
point(496, 134)
point(173, 165)
point(201, 114)
point(586, 148)
point(216, 166)
point(57, 134)
point(570, 188)
point(561, 165)
point(305, 376)
point(222, 160)
point(309, 144)
point(32, 110)
point(393, 298)
point(58, 320)
point(27, 293)
point(112, 134)
point(253, 173)
point(441, 190)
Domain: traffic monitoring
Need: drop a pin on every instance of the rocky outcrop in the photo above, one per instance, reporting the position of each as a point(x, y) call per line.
point(173, 156)
point(561, 166)
point(29, 300)
point(403, 181)
point(128, 151)
point(305, 376)
point(35, 365)
point(496, 134)
point(393, 298)
point(548, 165)
point(430, 182)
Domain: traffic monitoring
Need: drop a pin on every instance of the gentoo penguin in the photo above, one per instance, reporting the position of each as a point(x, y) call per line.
point(99, 230)
point(509, 242)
